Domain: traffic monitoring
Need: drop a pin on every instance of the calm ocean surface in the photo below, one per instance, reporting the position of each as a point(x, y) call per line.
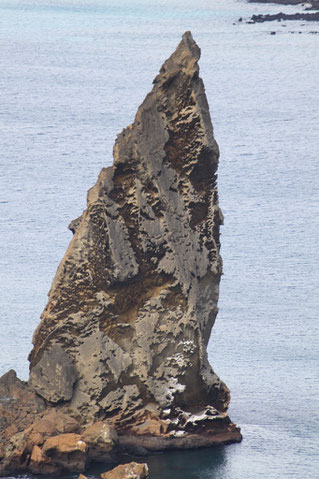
point(72, 76)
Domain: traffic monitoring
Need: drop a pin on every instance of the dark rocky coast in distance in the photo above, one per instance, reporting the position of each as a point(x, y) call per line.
point(311, 5)
point(305, 16)
point(119, 364)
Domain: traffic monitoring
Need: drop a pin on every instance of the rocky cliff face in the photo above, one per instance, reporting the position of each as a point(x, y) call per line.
point(135, 297)
point(123, 337)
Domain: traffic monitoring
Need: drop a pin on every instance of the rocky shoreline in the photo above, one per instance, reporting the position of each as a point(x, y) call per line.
point(278, 17)
point(42, 439)
point(311, 5)
point(306, 17)
point(119, 365)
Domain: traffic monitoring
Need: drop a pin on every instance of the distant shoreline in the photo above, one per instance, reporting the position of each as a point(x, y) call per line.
point(312, 5)
point(303, 16)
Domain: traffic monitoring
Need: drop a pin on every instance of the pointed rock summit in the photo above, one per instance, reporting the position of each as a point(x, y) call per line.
point(123, 337)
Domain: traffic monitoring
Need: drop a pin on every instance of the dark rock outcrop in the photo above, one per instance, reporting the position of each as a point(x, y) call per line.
point(301, 16)
point(311, 5)
point(19, 407)
point(306, 17)
point(122, 341)
point(278, 2)
point(53, 377)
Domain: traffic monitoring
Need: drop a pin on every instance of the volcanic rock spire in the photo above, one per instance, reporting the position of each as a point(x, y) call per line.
point(130, 310)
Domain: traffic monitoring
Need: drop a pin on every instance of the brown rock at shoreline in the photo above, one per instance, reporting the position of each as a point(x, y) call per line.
point(19, 404)
point(41, 464)
point(101, 439)
point(67, 450)
point(133, 470)
point(19, 407)
point(51, 423)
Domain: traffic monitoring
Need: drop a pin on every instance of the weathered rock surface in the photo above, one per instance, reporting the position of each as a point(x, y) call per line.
point(54, 375)
point(133, 470)
point(102, 440)
point(135, 297)
point(67, 451)
point(41, 464)
point(122, 341)
point(50, 423)
point(19, 407)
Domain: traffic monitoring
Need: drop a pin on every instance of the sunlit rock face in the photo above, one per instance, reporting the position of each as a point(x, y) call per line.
point(135, 296)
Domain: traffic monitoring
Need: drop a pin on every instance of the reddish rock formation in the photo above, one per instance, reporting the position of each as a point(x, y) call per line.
point(102, 440)
point(42, 464)
point(133, 470)
point(67, 450)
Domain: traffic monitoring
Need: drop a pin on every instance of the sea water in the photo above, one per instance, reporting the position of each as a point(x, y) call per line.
point(72, 76)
